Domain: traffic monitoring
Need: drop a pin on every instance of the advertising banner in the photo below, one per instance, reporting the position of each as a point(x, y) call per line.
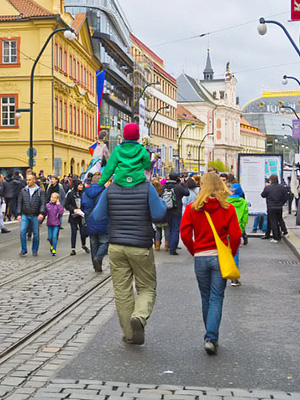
point(254, 173)
point(296, 129)
point(295, 10)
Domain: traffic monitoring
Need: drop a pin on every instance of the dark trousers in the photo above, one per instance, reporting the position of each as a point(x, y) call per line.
point(99, 246)
point(74, 228)
point(276, 222)
point(10, 208)
point(174, 224)
point(290, 201)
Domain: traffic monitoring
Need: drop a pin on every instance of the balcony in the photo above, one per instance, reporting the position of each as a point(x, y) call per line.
point(114, 46)
point(119, 104)
point(118, 75)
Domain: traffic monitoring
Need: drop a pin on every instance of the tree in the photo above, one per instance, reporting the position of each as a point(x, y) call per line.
point(219, 165)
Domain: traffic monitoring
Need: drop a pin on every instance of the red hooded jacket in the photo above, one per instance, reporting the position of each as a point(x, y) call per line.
point(196, 232)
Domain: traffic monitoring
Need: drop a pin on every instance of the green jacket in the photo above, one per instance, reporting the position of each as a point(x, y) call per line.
point(241, 208)
point(128, 162)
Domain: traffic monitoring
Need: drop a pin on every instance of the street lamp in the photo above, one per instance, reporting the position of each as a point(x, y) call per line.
point(262, 30)
point(281, 105)
point(179, 139)
point(70, 35)
point(156, 84)
point(285, 79)
point(199, 148)
point(167, 108)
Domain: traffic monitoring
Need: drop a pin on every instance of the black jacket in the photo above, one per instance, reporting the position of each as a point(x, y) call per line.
point(56, 189)
point(275, 194)
point(73, 201)
point(31, 206)
point(180, 190)
point(11, 188)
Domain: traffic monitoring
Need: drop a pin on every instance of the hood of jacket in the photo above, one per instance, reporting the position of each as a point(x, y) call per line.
point(170, 184)
point(129, 149)
point(211, 205)
point(237, 202)
point(93, 190)
point(7, 179)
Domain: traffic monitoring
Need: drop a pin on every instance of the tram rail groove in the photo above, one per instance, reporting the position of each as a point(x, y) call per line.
point(43, 327)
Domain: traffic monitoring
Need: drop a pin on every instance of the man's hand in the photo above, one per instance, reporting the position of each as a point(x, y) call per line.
point(19, 218)
point(40, 217)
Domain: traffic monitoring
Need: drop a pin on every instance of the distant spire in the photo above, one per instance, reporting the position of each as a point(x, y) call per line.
point(208, 72)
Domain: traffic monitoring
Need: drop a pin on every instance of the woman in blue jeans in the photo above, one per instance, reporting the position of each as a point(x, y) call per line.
point(198, 237)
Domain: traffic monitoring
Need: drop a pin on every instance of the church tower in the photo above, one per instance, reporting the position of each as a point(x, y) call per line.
point(208, 72)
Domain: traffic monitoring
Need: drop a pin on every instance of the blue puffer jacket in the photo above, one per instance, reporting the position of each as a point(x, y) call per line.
point(88, 201)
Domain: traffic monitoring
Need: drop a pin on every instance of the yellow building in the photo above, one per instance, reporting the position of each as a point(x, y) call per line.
point(252, 139)
point(190, 144)
point(161, 104)
point(65, 105)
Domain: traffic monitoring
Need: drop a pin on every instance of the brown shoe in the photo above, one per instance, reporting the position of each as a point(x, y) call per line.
point(166, 246)
point(157, 245)
point(138, 336)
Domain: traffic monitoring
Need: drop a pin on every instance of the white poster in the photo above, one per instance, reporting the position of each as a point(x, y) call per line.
point(254, 174)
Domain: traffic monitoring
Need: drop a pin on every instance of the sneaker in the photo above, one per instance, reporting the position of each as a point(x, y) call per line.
point(4, 230)
point(174, 253)
point(210, 347)
point(286, 235)
point(236, 282)
point(23, 253)
point(35, 254)
point(73, 253)
point(265, 237)
point(53, 252)
point(97, 265)
point(273, 241)
point(51, 248)
point(138, 336)
point(86, 249)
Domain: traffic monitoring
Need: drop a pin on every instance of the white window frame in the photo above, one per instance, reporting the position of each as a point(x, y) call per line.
point(11, 52)
point(6, 109)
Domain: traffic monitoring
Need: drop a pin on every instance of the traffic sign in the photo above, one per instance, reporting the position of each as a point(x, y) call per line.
point(33, 162)
point(34, 152)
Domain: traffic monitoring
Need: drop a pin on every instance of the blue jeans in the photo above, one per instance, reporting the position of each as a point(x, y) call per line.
point(236, 259)
point(35, 225)
point(174, 224)
point(212, 287)
point(53, 235)
point(99, 246)
point(256, 223)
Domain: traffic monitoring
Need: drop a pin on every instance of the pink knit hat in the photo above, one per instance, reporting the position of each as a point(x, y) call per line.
point(131, 132)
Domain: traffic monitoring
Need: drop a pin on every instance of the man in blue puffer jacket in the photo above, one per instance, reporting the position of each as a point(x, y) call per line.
point(96, 231)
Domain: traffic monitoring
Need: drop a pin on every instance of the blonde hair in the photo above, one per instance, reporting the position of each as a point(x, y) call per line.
point(211, 186)
point(54, 194)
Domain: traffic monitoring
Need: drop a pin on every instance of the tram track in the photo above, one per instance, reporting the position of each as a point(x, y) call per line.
point(44, 326)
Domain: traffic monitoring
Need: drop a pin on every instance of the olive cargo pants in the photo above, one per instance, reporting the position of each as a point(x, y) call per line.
point(128, 263)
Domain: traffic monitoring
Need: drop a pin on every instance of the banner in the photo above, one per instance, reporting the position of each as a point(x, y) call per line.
point(100, 78)
point(296, 129)
point(295, 10)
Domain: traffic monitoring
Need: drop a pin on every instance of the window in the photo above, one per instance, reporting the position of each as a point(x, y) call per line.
point(60, 58)
point(78, 122)
point(60, 115)
point(65, 62)
point(55, 55)
point(170, 154)
point(71, 118)
point(70, 67)
point(56, 112)
point(10, 52)
point(8, 109)
point(163, 153)
point(65, 117)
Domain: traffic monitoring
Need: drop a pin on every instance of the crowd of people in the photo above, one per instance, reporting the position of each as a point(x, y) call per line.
point(123, 212)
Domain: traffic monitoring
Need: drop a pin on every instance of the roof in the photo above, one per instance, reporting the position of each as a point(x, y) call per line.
point(189, 90)
point(162, 71)
point(269, 100)
point(78, 21)
point(208, 67)
point(25, 9)
point(246, 127)
point(183, 113)
point(145, 48)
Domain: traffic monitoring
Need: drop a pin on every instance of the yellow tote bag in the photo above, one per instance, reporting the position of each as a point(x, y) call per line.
point(227, 264)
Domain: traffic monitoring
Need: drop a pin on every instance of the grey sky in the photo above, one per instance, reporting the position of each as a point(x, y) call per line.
point(257, 61)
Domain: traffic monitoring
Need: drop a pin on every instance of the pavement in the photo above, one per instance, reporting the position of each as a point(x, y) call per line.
point(258, 358)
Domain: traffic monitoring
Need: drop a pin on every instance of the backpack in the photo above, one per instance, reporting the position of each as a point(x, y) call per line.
point(86, 216)
point(170, 198)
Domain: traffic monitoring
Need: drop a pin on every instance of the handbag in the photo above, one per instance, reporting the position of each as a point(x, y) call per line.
point(227, 264)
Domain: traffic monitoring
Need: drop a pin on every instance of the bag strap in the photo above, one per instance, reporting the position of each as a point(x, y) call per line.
point(216, 236)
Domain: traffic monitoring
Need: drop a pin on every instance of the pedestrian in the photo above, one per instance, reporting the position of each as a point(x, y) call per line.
point(10, 194)
point(31, 207)
point(198, 237)
point(174, 213)
point(131, 211)
point(65, 183)
point(241, 208)
point(276, 196)
point(161, 227)
point(128, 161)
point(289, 194)
point(193, 190)
point(2, 226)
point(53, 211)
point(55, 187)
point(73, 205)
point(96, 231)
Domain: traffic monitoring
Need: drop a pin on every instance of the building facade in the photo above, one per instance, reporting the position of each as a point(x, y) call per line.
point(214, 102)
point(252, 139)
point(112, 45)
point(190, 142)
point(65, 106)
point(160, 105)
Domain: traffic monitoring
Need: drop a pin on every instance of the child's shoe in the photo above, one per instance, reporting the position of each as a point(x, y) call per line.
point(51, 248)
point(53, 252)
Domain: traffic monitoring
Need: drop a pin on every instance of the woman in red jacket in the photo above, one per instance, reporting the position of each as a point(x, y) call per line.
point(198, 237)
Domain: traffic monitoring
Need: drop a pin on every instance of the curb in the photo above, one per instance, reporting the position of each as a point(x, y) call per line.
point(294, 244)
